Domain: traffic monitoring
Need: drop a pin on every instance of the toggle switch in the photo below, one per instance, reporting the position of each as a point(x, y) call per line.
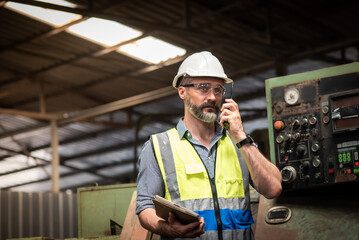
point(296, 123)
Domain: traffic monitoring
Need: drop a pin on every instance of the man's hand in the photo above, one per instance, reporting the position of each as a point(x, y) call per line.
point(190, 230)
point(170, 228)
point(230, 113)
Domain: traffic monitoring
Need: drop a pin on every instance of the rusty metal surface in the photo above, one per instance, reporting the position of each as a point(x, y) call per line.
point(317, 214)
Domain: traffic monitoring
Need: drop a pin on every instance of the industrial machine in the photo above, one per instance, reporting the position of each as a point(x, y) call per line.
point(313, 127)
point(313, 121)
point(102, 209)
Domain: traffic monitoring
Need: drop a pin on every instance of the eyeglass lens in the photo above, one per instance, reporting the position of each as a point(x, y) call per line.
point(205, 88)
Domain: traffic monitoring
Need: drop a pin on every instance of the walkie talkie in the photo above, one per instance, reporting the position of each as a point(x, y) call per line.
point(226, 123)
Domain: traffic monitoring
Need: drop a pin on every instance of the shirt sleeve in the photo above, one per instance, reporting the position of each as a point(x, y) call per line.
point(149, 179)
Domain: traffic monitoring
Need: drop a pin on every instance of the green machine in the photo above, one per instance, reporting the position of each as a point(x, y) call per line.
point(313, 128)
point(102, 209)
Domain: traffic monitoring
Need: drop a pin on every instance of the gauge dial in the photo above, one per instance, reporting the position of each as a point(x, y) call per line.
point(291, 96)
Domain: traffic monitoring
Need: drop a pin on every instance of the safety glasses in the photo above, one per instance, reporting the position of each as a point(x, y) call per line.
point(206, 88)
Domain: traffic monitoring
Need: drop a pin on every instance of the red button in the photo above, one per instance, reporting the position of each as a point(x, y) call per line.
point(331, 171)
point(348, 171)
point(278, 125)
point(357, 164)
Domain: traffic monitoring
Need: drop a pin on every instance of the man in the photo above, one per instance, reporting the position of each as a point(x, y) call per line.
point(202, 166)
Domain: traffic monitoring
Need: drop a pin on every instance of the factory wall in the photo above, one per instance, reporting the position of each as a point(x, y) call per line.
point(34, 214)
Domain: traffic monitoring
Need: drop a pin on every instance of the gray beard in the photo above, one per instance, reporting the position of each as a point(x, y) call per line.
point(197, 111)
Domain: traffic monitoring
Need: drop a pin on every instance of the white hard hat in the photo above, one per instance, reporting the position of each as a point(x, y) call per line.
point(201, 64)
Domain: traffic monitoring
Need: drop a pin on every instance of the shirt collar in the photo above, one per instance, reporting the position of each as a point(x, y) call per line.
point(181, 128)
point(183, 131)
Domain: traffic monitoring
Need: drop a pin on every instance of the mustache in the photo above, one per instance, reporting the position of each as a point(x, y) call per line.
point(210, 104)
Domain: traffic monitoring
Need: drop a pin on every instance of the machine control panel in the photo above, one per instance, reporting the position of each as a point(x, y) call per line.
point(314, 128)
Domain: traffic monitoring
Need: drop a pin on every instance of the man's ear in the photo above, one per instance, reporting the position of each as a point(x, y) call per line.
point(182, 92)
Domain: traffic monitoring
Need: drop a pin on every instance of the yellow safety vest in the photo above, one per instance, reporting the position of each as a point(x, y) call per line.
point(223, 201)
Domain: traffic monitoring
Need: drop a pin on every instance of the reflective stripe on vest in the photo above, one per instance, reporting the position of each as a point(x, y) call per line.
point(187, 182)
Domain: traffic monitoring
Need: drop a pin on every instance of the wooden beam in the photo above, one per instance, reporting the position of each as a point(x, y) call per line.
point(55, 161)
point(11, 91)
point(42, 97)
point(35, 115)
point(118, 105)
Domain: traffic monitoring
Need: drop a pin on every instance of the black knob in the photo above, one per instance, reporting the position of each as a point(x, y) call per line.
point(301, 149)
point(287, 137)
point(304, 122)
point(279, 139)
point(305, 165)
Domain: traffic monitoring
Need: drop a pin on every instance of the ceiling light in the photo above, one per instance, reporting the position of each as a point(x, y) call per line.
point(151, 50)
point(59, 2)
point(104, 32)
point(52, 17)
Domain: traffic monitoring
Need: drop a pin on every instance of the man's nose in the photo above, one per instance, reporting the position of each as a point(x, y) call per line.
point(211, 94)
